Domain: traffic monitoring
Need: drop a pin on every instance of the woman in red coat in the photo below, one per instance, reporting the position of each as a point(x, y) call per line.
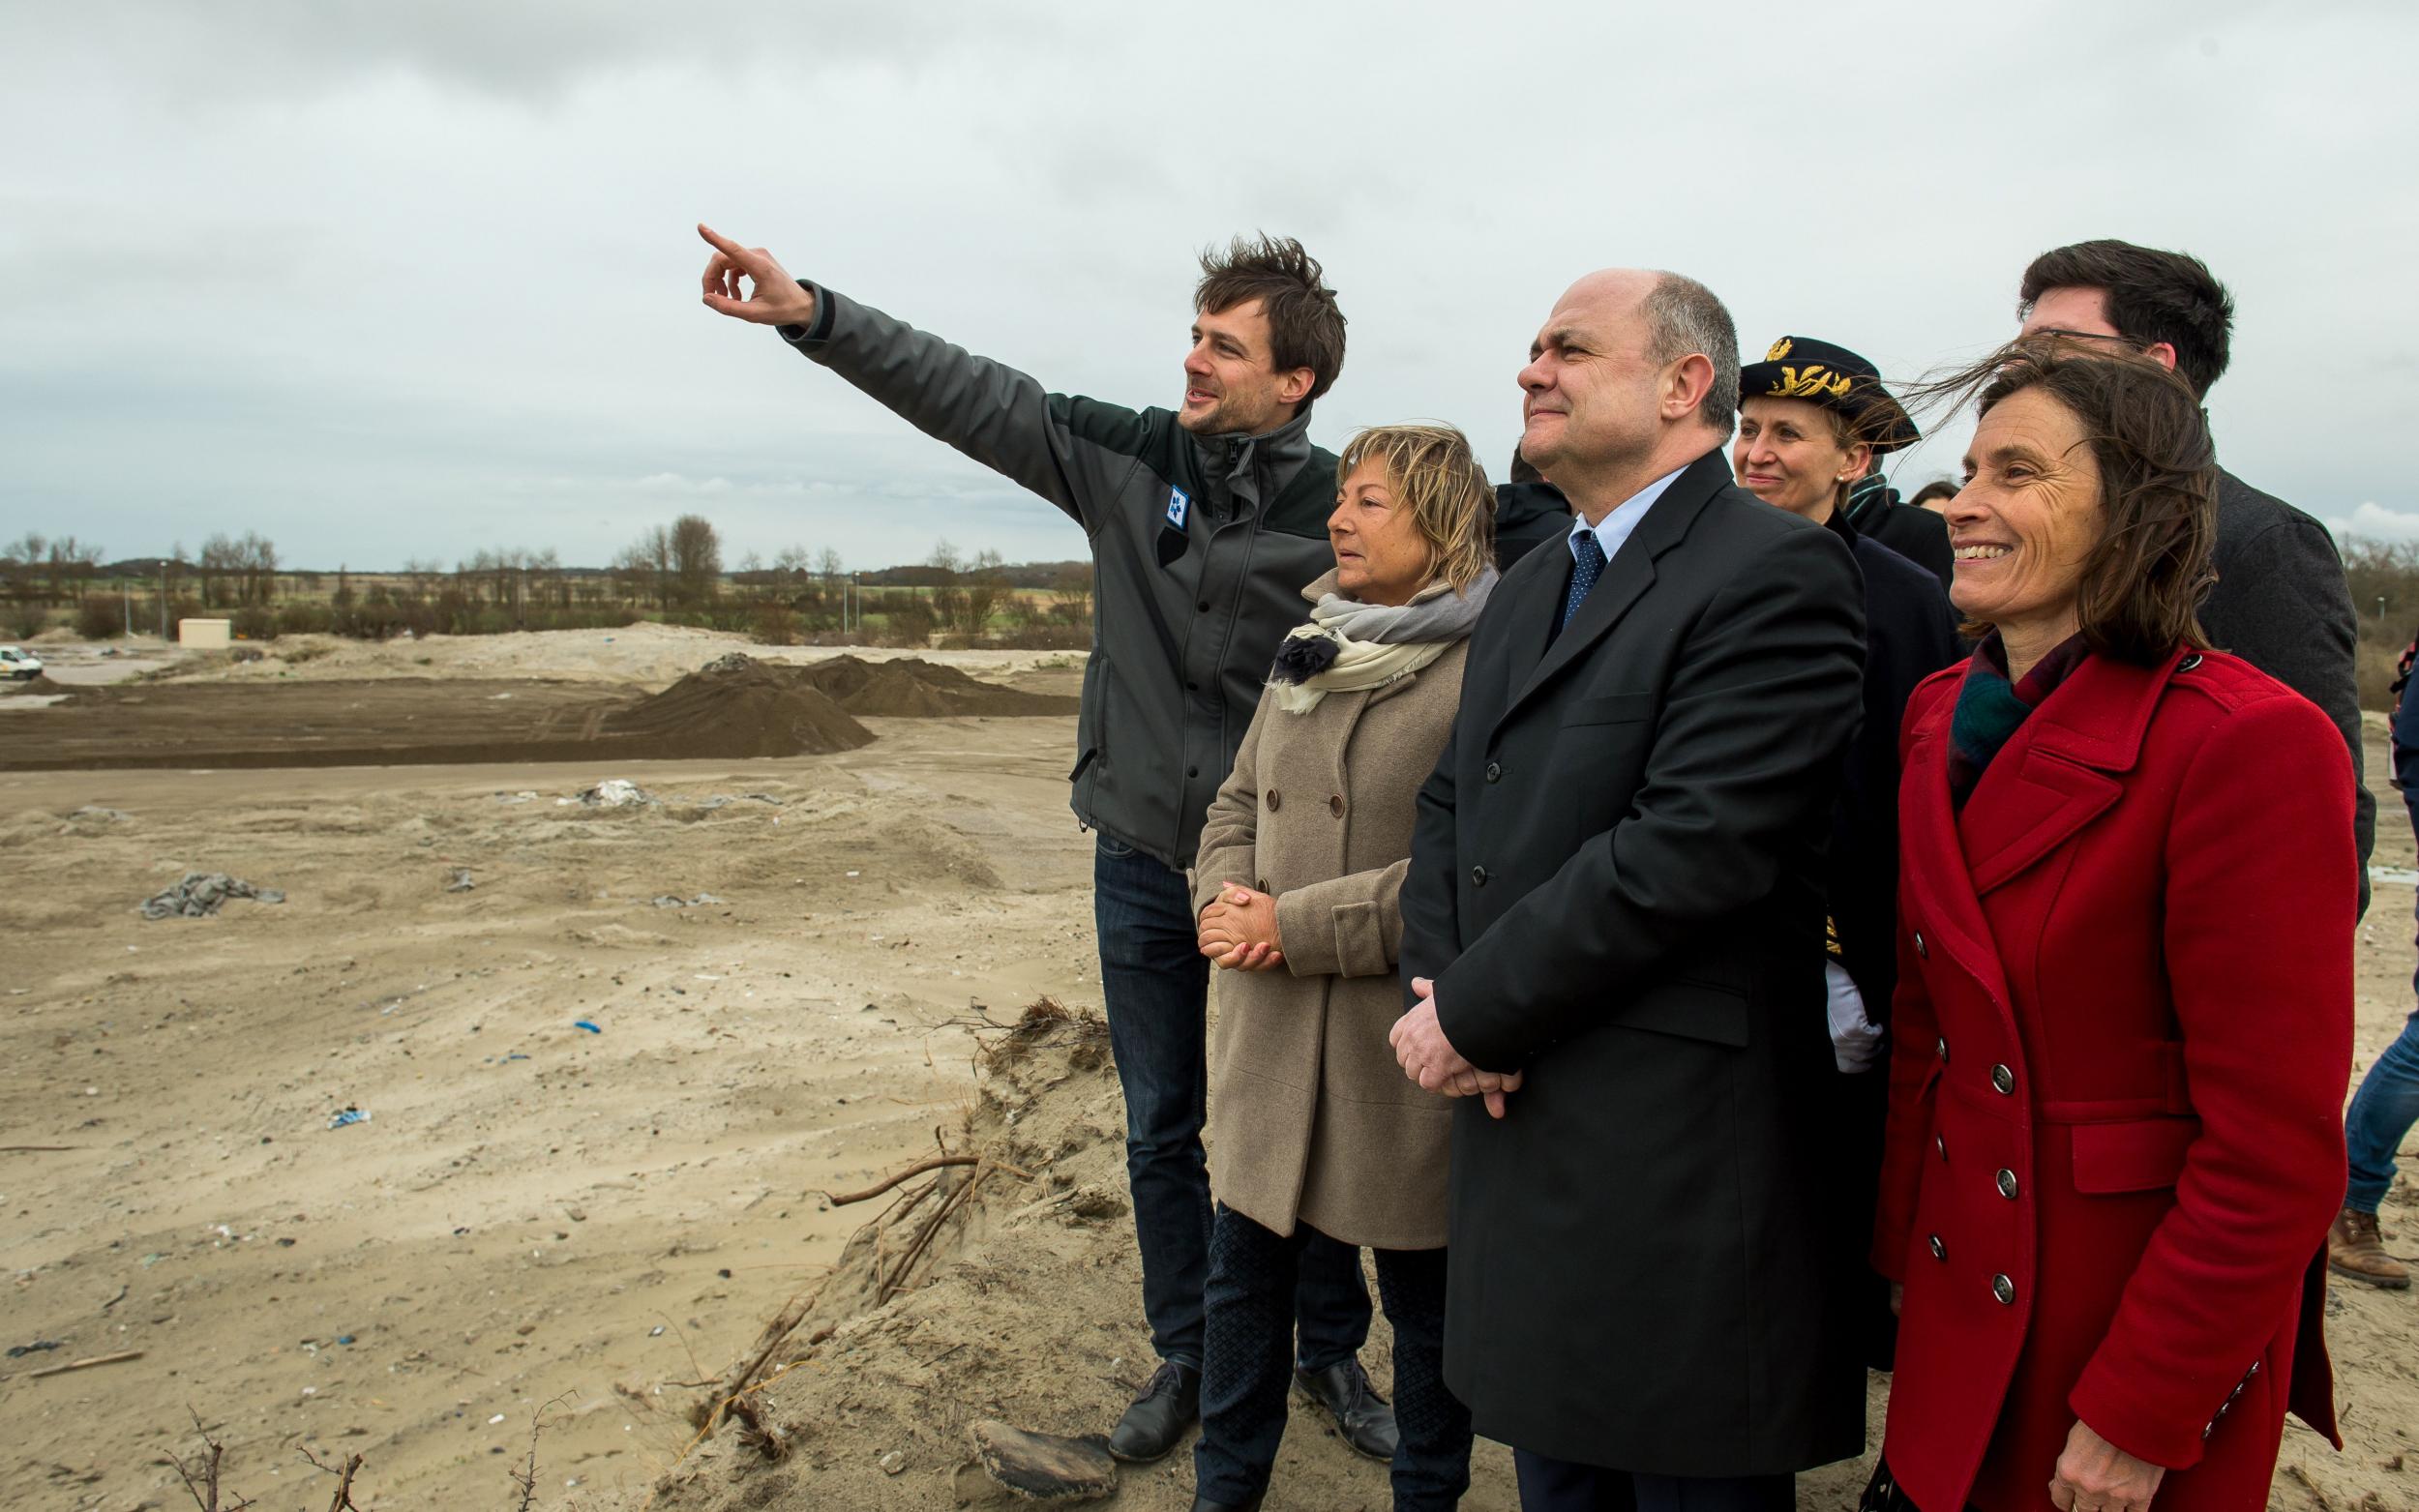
point(2124, 1019)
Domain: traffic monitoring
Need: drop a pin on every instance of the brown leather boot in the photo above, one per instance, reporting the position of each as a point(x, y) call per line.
point(2354, 1250)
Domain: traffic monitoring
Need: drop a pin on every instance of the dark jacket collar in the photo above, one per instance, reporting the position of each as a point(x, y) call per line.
point(1277, 453)
point(1840, 526)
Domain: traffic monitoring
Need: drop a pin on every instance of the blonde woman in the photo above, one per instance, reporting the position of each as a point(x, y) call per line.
point(1314, 1128)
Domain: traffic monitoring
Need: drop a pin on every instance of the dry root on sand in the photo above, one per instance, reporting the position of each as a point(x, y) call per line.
point(885, 1256)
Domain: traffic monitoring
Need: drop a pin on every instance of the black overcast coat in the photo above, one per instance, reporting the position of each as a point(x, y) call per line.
point(1615, 882)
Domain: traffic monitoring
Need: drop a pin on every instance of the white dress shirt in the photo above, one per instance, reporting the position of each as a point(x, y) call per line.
point(1615, 528)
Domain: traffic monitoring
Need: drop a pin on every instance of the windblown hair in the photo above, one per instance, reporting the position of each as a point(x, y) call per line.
point(1305, 328)
point(1937, 488)
point(2154, 296)
point(2138, 593)
point(1432, 472)
point(1683, 316)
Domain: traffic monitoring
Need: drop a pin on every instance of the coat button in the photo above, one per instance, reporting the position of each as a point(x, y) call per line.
point(1940, 1251)
point(1477, 877)
point(2002, 1081)
point(2007, 1185)
point(1335, 806)
point(2188, 663)
point(1921, 954)
point(1276, 800)
point(1941, 1143)
point(1494, 771)
point(1942, 1045)
point(2004, 1290)
point(1205, 605)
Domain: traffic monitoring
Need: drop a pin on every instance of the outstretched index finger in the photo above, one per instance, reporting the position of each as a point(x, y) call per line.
point(723, 244)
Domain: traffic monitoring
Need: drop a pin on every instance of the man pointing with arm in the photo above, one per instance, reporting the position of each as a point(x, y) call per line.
point(1204, 525)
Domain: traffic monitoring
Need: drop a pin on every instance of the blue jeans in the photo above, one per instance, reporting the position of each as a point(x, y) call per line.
point(1253, 1276)
point(2381, 1114)
point(1156, 985)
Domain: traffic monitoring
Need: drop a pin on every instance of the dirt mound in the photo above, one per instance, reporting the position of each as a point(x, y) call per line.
point(1006, 1289)
point(738, 707)
point(912, 688)
point(38, 683)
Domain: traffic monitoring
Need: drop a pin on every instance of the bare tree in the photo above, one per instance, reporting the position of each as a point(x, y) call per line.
point(697, 559)
point(1070, 593)
point(985, 586)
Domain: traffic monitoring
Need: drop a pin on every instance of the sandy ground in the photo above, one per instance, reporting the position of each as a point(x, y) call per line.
point(619, 1211)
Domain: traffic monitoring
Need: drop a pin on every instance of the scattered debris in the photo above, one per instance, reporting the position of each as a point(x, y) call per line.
point(893, 1462)
point(613, 792)
point(1045, 1467)
point(201, 893)
point(94, 811)
point(461, 881)
point(722, 800)
point(526, 795)
point(675, 900)
point(18, 1351)
point(582, 1023)
point(350, 1116)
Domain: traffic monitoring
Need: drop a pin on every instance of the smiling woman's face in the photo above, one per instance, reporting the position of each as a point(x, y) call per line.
point(2028, 516)
point(1788, 454)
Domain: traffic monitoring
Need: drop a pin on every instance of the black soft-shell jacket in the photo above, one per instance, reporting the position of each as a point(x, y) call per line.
point(1201, 546)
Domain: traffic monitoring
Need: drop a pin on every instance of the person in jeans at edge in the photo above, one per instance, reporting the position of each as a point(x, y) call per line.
point(2387, 1102)
point(2281, 601)
point(1204, 523)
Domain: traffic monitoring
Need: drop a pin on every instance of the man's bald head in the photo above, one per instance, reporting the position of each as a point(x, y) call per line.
point(1633, 364)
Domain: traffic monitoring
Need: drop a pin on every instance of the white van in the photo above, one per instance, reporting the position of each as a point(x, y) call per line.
point(21, 665)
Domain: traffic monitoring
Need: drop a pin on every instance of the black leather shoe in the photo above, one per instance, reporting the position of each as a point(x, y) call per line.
point(1360, 1414)
point(1170, 1404)
point(1205, 1505)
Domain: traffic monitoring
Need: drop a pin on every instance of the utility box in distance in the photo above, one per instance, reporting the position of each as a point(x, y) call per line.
point(205, 635)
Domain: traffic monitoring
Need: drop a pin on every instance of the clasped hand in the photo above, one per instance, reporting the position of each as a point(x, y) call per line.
point(1429, 1058)
point(2095, 1476)
point(1239, 929)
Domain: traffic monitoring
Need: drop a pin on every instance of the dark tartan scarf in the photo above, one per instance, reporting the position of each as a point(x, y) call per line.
point(1990, 710)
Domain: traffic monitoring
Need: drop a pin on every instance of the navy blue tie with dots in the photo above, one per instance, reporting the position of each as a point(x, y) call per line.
point(1585, 570)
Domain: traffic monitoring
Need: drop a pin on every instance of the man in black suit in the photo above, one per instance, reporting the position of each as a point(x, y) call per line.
point(1613, 928)
point(2281, 601)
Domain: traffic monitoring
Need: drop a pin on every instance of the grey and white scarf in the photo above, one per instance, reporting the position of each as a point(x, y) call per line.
point(1349, 646)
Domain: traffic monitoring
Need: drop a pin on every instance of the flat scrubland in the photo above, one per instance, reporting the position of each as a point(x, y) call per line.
point(606, 1085)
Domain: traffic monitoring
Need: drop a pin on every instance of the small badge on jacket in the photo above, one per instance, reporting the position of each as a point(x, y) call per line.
point(1180, 504)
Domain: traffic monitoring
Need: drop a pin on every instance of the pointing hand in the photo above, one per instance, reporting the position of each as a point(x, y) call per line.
point(777, 298)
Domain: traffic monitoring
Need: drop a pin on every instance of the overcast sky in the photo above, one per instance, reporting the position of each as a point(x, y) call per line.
point(386, 281)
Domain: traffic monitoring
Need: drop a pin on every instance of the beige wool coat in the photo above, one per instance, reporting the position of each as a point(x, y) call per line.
point(1310, 1119)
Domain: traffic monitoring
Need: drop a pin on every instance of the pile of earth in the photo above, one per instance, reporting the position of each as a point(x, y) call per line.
point(738, 706)
point(912, 688)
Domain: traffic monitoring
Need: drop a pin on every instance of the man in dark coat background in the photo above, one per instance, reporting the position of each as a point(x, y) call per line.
point(1614, 918)
point(1529, 512)
point(2281, 601)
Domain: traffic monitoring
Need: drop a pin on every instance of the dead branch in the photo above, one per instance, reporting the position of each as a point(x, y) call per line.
point(956, 1200)
point(2310, 1486)
point(343, 1500)
point(201, 1479)
point(526, 1477)
point(934, 1163)
point(30, 1149)
point(85, 1364)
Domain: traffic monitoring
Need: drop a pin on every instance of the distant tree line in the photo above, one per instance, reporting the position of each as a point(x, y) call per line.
point(674, 573)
